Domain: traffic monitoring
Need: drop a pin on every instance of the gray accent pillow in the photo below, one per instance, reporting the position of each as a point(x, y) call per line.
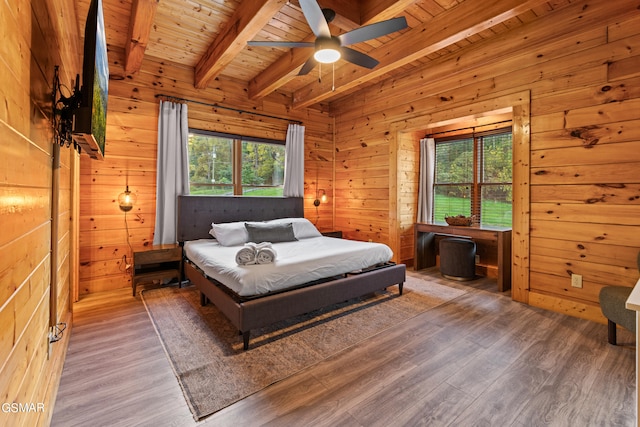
point(270, 232)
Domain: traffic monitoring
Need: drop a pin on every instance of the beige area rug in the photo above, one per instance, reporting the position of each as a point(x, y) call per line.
point(206, 351)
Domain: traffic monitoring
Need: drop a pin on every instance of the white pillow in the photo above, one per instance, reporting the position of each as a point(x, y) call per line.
point(235, 233)
point(302, 227)
point(230, 233)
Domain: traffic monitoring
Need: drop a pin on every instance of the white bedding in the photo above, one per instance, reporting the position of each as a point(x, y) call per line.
point(297, 262)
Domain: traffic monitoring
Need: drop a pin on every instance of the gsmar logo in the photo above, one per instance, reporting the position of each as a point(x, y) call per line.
point(22, 407)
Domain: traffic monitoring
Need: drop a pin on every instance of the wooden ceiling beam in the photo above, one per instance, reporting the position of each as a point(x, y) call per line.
point(248, 19)
point(348, 18)
point(379, 10)
point(279, 73)
point(143, 13)
point(453, 25)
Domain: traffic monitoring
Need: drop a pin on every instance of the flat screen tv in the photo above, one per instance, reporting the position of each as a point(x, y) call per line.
point(90, 119)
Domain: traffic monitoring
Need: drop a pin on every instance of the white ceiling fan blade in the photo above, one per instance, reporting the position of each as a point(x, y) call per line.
point(315, 18)
point(308, 66)
point(373, 31)
point(358, 58)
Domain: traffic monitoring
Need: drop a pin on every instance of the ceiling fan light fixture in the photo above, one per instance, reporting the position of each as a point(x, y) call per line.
point(327, 50)
point(327, 56)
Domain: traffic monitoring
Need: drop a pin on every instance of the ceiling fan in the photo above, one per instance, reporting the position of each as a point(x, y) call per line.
point(328, 48)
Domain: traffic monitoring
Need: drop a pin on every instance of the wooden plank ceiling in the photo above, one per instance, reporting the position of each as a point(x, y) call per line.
point(211, 37)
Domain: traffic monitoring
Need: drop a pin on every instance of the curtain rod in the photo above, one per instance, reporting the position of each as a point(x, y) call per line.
point(469, 127)
point(237, 110)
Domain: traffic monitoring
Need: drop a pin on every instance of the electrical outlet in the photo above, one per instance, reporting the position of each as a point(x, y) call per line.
point(576, 280)
point(477, 259)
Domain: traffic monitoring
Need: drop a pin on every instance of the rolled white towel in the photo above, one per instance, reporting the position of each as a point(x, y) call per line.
point(247, 254)
point(266, 255)
point(261, 245)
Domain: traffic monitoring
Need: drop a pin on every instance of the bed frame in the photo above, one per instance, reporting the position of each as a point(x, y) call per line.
point(195, 215)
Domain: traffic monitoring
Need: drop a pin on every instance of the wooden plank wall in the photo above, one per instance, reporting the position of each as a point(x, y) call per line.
point(32, 45)
point(581, 66)
point(361, 175)
point(131, 152)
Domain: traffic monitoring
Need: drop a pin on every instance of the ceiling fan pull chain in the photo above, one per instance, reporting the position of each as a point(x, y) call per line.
point(333, 77)
point(319, 72)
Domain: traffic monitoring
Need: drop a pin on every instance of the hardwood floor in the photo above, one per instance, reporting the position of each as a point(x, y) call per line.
point(479, 360)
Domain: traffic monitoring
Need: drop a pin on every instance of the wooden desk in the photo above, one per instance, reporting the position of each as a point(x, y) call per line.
point(425, 246)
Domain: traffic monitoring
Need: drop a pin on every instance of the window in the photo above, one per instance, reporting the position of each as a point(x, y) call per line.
point(221, 164)
point(473, 177)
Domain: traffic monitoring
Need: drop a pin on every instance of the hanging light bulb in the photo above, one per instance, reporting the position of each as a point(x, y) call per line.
point(126, 200)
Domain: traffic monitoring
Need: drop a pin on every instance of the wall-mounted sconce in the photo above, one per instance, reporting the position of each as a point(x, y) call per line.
point(126, 200)
point(321, 197)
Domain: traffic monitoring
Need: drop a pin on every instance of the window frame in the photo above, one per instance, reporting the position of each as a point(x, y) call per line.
point(478, 183)
point(236, 154)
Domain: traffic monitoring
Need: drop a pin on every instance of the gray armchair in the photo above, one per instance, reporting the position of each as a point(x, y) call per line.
point(612, 303)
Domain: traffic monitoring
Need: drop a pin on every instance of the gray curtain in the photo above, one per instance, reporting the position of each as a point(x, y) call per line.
point(294, 162)
point(427, 175)
point(173, 169)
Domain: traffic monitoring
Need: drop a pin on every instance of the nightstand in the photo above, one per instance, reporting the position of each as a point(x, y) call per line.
point(157, 262)
point(337, 234)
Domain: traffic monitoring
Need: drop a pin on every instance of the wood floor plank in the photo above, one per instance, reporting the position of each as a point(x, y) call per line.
point(293, 393)
point(116, 371)
point(501, 403)
point(571, 392)
point(403, 397)
point(439, 408)
point(480, 359)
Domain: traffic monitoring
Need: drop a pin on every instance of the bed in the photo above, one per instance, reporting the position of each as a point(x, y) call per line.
point(261, 306)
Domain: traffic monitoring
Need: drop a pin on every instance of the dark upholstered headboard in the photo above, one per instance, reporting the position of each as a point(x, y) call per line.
point(196, 213)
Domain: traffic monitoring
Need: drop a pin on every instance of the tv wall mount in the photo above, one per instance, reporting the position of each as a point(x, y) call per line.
point(62, 111)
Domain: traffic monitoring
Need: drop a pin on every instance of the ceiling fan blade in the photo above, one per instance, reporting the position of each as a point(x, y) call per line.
point(315, 18)
point(373, 31)
point(358, 58)
point(308, 66)
point(280, 44)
